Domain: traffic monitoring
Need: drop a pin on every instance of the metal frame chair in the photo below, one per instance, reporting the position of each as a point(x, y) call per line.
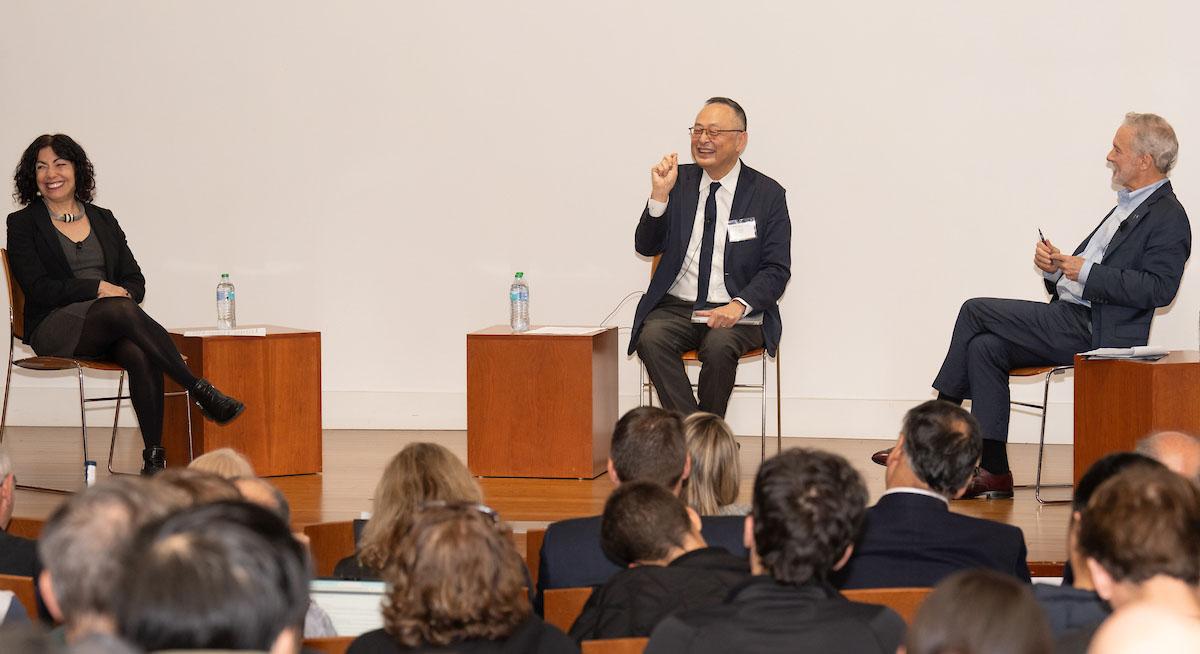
point(1049, 372)
point(16, 323)
point(646, 392)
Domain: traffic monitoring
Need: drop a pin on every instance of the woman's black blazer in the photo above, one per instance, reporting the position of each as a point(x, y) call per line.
point(41, 268)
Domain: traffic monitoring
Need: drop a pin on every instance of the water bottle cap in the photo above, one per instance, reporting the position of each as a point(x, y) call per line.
point(520, 275)
point(224, 275)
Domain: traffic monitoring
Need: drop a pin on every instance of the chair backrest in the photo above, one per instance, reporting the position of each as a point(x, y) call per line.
point(563, 605)
point(16, 299)
point(22, 587)
point(331, 645)
point(615, 646)
point(533, 552)
point(904, 601)
point(329, 543)
point(29, 528)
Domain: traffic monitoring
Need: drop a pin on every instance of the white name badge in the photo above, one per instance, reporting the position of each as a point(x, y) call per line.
point(743, 229)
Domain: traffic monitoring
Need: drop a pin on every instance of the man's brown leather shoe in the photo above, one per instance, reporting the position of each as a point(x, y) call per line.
point(881, 456)
point(990, 486)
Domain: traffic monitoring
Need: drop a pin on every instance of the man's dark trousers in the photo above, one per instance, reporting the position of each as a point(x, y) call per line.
point(668, 332)
point(992, 336)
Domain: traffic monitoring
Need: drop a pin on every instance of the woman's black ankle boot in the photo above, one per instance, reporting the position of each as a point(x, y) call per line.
point(154, 460)
point(215, 405)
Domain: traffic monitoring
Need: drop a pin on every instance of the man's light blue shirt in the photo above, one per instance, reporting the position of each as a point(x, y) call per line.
point(1093, 253)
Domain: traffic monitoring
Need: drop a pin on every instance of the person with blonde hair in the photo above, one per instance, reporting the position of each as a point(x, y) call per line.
point(224, 462)
point(421, 472)
point(457, 583)
point(712, 488)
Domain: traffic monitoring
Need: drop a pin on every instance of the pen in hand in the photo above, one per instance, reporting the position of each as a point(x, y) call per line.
point(1041, 236)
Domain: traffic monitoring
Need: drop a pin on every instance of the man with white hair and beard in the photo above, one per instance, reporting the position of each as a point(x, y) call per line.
point(1103, 294)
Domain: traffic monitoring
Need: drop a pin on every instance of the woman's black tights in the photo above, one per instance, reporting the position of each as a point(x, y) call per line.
point(116, 328)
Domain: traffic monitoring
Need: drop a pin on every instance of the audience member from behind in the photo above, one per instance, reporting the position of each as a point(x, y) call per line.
point(83, 545)
point(1178, 451)
point(198, 486)
point(18, 556)
point(1140, 533)
point(457, 584)
point(1074, 605)
point(224, 462)
point(911, 536)
point(222, 576)
point(712, 487)
point(419, 473)
point(979, 612)
point(808, 506)
point(647, 445)
point(670, 567)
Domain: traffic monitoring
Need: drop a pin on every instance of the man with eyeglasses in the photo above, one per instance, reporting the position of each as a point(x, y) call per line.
point(724, 237)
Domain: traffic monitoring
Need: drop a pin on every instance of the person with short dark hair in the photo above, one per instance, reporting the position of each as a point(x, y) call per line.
point(1075, 604)
point(1140, 533)
point(457, 584)
point(808, 507)
point(668, 565)
point(911, 536)
point(979, 612)
point(226, 575)
point(723, 235)
point(83, 288)
point(647, 445)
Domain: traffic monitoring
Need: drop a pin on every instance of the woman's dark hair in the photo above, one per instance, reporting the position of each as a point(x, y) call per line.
point(456, 576)
point(25, 188)
point(980, 612)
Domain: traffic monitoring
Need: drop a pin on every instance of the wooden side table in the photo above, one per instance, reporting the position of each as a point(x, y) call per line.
point(540, 405)
point(278, 376)
point(1119, 401)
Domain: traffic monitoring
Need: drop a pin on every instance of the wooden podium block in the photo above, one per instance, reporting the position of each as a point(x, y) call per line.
point(1119, 401)
point(278, 377)
point(540, 405)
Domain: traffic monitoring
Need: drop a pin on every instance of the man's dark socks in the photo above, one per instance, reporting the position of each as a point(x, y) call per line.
point(995, 457)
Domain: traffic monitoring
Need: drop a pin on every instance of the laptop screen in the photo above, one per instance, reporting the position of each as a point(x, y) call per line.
point(353, 606)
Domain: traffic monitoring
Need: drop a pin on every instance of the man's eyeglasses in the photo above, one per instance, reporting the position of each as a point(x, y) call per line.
point(482, 509)
point(713, 133)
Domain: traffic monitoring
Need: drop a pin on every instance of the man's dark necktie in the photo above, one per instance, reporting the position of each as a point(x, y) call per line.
point(706, 246)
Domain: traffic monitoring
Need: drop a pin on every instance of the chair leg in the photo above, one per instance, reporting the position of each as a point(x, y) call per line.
point(1037, 484)
point(778, 404)
point(7, 388)
point(112, 444)
point(762, 389)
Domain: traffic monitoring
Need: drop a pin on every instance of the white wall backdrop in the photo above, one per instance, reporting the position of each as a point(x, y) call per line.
point(377, 170)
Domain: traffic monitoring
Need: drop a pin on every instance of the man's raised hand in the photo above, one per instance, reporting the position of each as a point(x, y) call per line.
point(662, 177)
point(1043, 257)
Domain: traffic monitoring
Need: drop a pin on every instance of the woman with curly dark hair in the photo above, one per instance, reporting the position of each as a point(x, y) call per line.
point(82, 288)
point(457, 584)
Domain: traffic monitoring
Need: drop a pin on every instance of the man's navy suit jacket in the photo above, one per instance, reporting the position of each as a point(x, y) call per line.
point(915, 540)
point(571, 554)
point(1142, 267)
point(756, 270)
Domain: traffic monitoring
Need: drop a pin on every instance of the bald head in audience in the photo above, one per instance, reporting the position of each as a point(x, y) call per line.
point(1145, 628)
point(1178, 451)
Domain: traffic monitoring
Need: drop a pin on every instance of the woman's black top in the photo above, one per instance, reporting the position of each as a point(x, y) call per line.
point(531, 637)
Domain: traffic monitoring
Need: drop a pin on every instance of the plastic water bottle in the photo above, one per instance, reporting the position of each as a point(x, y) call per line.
point(226, 305)
point(518, 303)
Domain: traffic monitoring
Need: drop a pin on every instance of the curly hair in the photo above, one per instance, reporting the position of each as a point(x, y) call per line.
point(25, 188)
point(419, 473)
point(808, 507)
point(456, 576)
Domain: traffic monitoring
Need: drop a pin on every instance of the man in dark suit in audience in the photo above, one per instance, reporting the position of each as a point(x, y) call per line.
point(18, 556)
point(911, 537)
point(647, 445)
point(669, 567)
point(808, 507)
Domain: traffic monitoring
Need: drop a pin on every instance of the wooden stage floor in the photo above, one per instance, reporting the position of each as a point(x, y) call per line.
point(354, 460)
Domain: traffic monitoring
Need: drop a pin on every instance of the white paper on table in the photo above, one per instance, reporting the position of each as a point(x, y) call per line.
point(238, 331)
point(1137, 352)
point(563, 331)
